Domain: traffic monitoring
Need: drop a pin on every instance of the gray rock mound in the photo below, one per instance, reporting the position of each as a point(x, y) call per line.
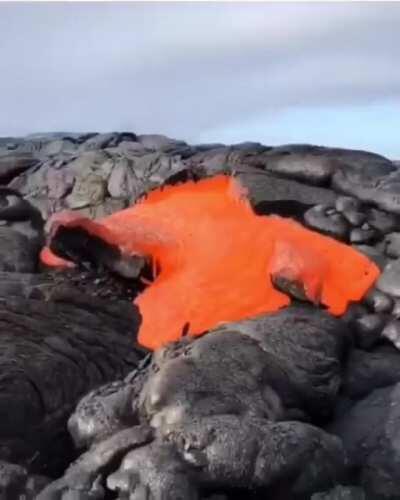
point(217, 412)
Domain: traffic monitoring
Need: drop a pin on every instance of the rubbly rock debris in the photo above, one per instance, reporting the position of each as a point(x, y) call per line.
point(292, 404)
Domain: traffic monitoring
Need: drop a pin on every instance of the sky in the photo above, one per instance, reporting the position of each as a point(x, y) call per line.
point(277, 73)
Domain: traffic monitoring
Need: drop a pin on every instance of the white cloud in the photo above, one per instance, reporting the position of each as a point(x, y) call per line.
point(184, 68)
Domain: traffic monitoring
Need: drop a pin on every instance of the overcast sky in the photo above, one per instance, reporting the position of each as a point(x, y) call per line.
point(205, 72)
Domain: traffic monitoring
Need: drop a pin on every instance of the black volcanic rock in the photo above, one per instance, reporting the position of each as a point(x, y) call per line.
point(377, 183)
point(21, 233)
point(368, 330)
point(341, 493)
point(302, 163)
point(12, 165)
point(263, 186)
point(318, 164)
point(363, 235)
point(367, 371)
point(389, 281)
point(238, 413)
point(391, 332)
point(16, 482)
point(331, 224)
point(378, 301)
point(153, 158)
point(370, 434)
point(392, 245)
point(382, 221)
point(226, 424)
point(55, 345)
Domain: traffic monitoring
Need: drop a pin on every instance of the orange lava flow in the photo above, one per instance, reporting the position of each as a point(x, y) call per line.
point(216, 258)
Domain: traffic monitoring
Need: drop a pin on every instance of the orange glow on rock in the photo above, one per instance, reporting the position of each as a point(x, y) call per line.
point(216, 258)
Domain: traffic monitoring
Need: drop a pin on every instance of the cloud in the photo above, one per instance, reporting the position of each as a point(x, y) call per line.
point(188, 68)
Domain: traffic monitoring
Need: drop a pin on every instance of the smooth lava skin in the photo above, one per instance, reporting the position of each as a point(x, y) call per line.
point(216, 258)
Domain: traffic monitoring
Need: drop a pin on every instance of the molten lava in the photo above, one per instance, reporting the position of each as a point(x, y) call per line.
point(216, 258)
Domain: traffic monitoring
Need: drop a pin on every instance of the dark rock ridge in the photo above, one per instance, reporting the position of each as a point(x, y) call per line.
point(99, 173)
point(293, 405)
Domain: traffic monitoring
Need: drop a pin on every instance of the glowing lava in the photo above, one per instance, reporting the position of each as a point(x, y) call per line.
point(216, 258)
